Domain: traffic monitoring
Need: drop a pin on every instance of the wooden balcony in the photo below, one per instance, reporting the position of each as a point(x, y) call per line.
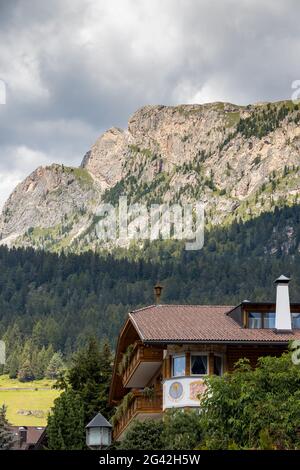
point(144, 363)
point(141, 407)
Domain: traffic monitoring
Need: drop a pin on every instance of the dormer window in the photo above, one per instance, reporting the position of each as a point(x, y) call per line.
point(255, 320)
point(258, 320)
point(269, 320)
point(296, 320)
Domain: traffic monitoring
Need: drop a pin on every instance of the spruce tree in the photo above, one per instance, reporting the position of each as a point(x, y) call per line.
point(6, 436)
point(25, 373)
point(90, 376)
point(66, 425)
point(13, 363)
point(38, 334)
point(40, 363)
point(55, 366)
point(106, 363)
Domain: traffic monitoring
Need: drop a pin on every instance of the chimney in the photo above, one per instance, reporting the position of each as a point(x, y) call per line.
point(22, 435)
point(283, 321)
point(157, 292)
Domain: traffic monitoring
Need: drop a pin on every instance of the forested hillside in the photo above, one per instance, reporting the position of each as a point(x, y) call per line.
point(56, 302)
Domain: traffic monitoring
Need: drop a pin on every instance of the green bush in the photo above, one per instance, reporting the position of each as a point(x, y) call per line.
point(253, 409)
point(181, 429)
point(143, 435)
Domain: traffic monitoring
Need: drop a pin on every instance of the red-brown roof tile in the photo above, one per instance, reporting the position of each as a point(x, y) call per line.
point(198, 323)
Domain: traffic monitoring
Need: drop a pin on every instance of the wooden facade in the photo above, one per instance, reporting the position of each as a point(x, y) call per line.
point(236, 352)
point(140, 407)
point(141, 354)
point(144, 406)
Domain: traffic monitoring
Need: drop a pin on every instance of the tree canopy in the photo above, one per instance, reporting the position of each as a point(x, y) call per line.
point(7, 438)
point(253, 409)
point(85, 394)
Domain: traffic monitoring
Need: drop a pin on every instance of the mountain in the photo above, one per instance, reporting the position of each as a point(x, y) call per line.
point(240, 161)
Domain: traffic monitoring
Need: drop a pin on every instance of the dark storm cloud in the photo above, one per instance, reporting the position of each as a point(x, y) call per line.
point(76, 67)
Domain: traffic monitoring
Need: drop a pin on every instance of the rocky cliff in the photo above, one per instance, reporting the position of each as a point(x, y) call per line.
point(238, 160)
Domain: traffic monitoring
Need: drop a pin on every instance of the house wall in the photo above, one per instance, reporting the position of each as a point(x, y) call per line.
point(182, 392)
point(235, 352)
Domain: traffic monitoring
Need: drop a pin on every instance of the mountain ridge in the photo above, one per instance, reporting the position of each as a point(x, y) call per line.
point(239, 161)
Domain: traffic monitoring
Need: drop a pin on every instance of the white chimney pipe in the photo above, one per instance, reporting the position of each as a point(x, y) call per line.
point(283, 320)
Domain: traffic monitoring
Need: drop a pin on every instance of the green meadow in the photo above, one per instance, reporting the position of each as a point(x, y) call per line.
point(29, 403)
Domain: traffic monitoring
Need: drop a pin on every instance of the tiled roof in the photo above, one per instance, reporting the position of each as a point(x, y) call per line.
point(198, 323)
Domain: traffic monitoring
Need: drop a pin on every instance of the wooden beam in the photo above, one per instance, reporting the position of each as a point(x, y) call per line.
point(245, 319)
point(168, 367)
point(188, 364)
point(211, 365)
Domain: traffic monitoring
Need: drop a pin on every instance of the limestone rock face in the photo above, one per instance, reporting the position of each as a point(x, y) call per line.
point(104, 160)
point(178, 134)
point(238, 160)
point(45, 198)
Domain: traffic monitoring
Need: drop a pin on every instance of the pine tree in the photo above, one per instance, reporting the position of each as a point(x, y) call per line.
point(48, 355)
point(6, 436)
point(66, 425)
point(90, 376)
point(14, 366)
point(38, 334)
point(25, 373)
point(106, 362)
point(35, 364)
point(55, 366)
point(12, 339)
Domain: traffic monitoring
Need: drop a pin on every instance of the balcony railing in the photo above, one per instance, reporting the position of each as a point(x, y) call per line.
point(139, 404)
point(139, 355)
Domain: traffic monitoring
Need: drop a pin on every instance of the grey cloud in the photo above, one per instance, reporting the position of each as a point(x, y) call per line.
point(77, 67)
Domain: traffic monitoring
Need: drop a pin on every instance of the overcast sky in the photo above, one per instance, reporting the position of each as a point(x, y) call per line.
point(74, 68)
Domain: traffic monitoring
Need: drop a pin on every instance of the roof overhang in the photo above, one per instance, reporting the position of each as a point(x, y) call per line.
point(212, 341)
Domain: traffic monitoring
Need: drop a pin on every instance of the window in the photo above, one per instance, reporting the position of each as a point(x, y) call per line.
point(99, 436)
point(269, 320)
point(106, 436)
point(218, 369)
point(295, 320)
point(199, 365)
point(255, 320)
point(178, 368)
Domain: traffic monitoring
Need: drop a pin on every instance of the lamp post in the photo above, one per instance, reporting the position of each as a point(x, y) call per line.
point(98, 433)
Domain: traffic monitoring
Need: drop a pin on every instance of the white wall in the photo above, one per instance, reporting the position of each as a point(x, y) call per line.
point(191, 387)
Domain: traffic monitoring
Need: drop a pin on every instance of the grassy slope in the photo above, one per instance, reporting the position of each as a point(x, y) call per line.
point(35, 398)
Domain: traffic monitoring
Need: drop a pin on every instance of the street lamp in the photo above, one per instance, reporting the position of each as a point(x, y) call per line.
point(98, 433)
